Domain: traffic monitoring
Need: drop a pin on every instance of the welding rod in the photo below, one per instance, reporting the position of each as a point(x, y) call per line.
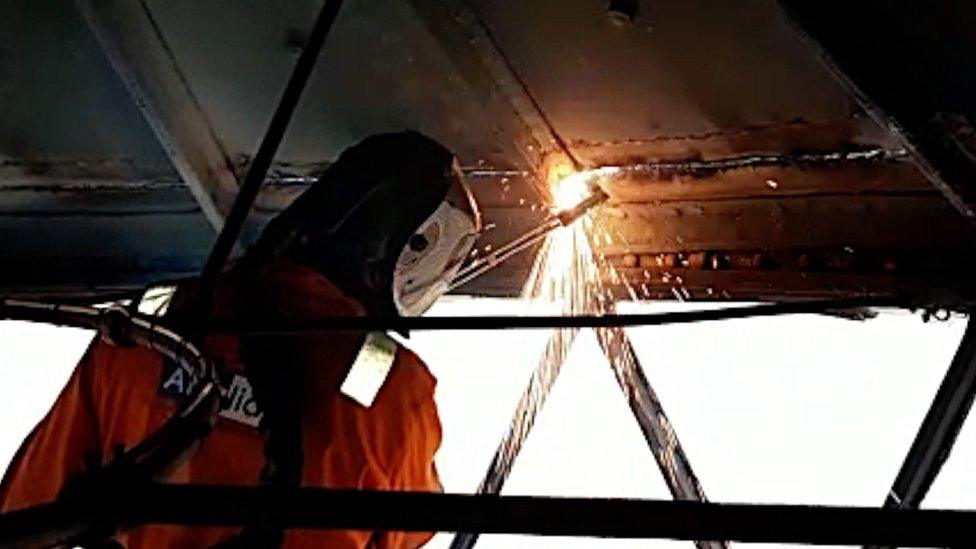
point(556, 220)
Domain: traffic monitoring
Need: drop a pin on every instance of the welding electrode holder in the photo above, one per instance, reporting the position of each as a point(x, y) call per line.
point(596, 197)
point(525, 241)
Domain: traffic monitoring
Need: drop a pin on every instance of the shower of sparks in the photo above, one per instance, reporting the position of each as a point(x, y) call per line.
point(568, 274)
point(566, 271)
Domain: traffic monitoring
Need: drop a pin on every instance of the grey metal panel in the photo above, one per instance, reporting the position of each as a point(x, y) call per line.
point(709, 80)
point(684, 67)
point(74, 241)
point(470, 45)
point(131, 41)
point(92, 235)
point(380, 71)
point(58, 95)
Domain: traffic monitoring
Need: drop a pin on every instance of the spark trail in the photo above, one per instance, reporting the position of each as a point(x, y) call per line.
point(568, 273)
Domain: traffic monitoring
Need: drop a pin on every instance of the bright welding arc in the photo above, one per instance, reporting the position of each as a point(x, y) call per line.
point(573, 197)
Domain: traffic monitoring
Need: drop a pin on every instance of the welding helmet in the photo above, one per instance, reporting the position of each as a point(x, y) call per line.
point(390, 223)
point(434, 253)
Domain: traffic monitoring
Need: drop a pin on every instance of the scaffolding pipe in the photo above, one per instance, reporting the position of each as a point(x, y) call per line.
point(653, 422)
point(321, 508)
point(502, 322)
point(939, 429)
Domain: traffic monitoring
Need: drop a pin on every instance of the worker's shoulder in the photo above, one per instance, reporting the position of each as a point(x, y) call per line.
point(102, 354)
point(410, 369)
point(105, 364)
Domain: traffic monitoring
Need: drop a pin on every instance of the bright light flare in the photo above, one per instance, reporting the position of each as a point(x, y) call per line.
point(574, 188)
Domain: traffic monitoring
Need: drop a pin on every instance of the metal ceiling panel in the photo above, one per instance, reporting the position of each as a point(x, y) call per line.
point(380, 70)
point(59, 98)
point(681, 68)
point(685, 81)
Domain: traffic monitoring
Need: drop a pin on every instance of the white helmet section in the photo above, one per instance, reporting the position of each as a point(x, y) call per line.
point(432, 257)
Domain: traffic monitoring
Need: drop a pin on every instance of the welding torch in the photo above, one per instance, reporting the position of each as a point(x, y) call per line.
point(555, 220)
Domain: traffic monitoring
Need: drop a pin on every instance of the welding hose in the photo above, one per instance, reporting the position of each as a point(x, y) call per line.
point(558, 219)
point(170, 444)
point(483, 265)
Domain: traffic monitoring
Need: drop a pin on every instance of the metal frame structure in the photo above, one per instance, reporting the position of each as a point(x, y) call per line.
point(160, 91)
point(124, 495)
point(939, 430)
point(140, 503)
point(872, 54)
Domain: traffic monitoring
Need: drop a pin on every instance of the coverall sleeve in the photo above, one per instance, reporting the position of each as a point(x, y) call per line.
point(59, 445)
point(417, 471)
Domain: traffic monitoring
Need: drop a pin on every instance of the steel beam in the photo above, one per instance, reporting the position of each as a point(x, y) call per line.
point(653, 421)
point(483, 66)
point(925, 100)
point(321, 508)
point(137, 50)
point(939, 429)
point(910, 87)
point(543, 379)
point(526, 411)
point(647, 409)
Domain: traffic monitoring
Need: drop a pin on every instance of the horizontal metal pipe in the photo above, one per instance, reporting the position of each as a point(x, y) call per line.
point(467, 323)
point(413, 511)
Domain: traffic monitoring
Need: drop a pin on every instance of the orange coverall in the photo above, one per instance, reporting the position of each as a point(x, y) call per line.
point(119, 395)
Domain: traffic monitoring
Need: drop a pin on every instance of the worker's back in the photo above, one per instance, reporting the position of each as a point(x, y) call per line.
point(119, 395)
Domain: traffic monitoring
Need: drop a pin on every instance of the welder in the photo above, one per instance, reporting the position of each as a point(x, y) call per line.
point(382, 232)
